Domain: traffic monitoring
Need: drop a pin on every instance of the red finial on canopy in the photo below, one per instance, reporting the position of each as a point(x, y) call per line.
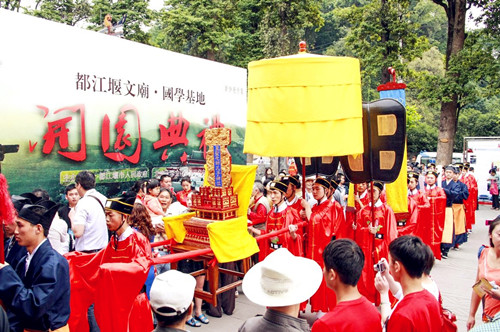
point(392, 71)
point(302, 47)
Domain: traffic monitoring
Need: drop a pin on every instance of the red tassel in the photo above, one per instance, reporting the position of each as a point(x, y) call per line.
point(7, 214)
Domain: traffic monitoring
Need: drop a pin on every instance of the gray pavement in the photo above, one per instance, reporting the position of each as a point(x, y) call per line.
point(454, 276)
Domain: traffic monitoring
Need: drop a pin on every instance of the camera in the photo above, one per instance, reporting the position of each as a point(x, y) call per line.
point(380, 266)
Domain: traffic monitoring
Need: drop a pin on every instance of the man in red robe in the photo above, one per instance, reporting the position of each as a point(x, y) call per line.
point(113, 279)
point(431, 229)
point(292, 200)
point(280, 217)
point(361, 199)
point(257, 212)
point(418, 207)
point(338, 218)
point(319, 233)
point(376, 228)
point(471, 202)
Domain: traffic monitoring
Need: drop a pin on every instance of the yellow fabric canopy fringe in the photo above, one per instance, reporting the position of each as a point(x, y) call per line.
point(304, 106)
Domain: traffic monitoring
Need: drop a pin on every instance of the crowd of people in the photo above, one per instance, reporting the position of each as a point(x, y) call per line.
point(353, 256)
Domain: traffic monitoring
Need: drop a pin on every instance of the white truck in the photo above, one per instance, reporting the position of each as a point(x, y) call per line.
point(483, 153)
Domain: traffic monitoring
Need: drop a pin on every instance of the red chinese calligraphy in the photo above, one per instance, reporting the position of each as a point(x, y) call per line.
point(122, 138)
point(58, 131)
point(215, 124)
point(172, 135)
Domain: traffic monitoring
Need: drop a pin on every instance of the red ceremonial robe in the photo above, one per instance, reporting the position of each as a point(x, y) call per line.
point(258, 212)
point(112, 280)
point(182, 197)
point(278, 221)
point(351, 214)
point(470, 203)
point(320, 230)
point(374, 246)
point(419, 208)
point(296, 205)
point(431, 229)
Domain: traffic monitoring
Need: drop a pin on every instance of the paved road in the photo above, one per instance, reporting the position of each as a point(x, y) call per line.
point(454, 277)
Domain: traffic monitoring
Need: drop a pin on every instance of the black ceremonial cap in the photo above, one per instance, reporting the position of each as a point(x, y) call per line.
point(413, 175)
point(20, 201)
point(42, 213)
point(294, 179)
point(436, 174)
point(280, 185)
point(324, 182)
point(379, 185)
point(123, 205)
point(333, 183)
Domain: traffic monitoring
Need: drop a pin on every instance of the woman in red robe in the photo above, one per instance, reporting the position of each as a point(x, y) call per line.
point(319, 233)
point(431, 229)
point(418, 207)
point(182, 195)
point(361, 199)
point(471, 202)
point(280, 217)
point(373, 235)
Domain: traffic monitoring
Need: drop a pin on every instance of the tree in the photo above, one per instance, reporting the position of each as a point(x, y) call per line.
point(381, 35)
point(456, 14)
point(284, 22)
point(196, 27)
point(64, 11)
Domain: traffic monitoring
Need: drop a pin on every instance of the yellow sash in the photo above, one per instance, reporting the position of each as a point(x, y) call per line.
point(448, 226)
point(459, 218)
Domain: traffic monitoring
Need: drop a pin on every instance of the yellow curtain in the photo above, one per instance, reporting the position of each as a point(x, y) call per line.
point(229, 239)
point(300, 105)
point(397, 192)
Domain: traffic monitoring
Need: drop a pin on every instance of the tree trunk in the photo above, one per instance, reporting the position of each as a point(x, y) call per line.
point(456, 12)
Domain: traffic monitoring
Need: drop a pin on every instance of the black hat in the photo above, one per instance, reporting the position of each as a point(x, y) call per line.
point(333, 183)
point(460, 166)
point(450, 168)
point(413, 175)
point(280, 185)
point(294, 179)
point(123, 205)
point(466, 165)
point(436, 174)
point(324, 182)
point(42, 213)
point(378, 185)
point(32, 197)
point(431, 165)
point(19, 202)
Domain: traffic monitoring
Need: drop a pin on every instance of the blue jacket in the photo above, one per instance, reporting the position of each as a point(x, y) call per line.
point(38, 300)
point(13, 252)
point(456, 192)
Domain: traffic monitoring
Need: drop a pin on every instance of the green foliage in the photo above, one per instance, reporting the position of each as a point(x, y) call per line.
point(284, 22)
point(381, 35)
point(138, 16)
point(64, 11)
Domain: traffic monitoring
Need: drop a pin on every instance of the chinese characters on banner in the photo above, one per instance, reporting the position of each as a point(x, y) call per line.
point(172, 134)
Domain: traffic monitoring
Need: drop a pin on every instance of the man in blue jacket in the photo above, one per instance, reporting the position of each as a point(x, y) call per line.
point(36, 293)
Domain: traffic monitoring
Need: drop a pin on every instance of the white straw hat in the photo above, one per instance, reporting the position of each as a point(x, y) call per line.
point(282, 279)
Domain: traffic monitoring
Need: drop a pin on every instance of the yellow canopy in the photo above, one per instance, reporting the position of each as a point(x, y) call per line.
point(305, 106)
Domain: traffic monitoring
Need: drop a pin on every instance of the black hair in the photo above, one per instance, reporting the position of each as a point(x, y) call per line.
point(185, 178)
point(493, 224)
point(166, 190)
point(86, 179)
point(430, 260)
point(164, 321)
point(138, 185)
point(346, 258)
point(164, 176)
point(42, 193)
point(69, 188)
point(153, 183)
point(410, 251)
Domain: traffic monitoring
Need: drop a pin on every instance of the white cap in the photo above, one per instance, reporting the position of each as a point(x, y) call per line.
point(173, 290)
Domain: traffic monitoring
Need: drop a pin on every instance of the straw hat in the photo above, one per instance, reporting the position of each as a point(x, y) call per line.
point(282, 279)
